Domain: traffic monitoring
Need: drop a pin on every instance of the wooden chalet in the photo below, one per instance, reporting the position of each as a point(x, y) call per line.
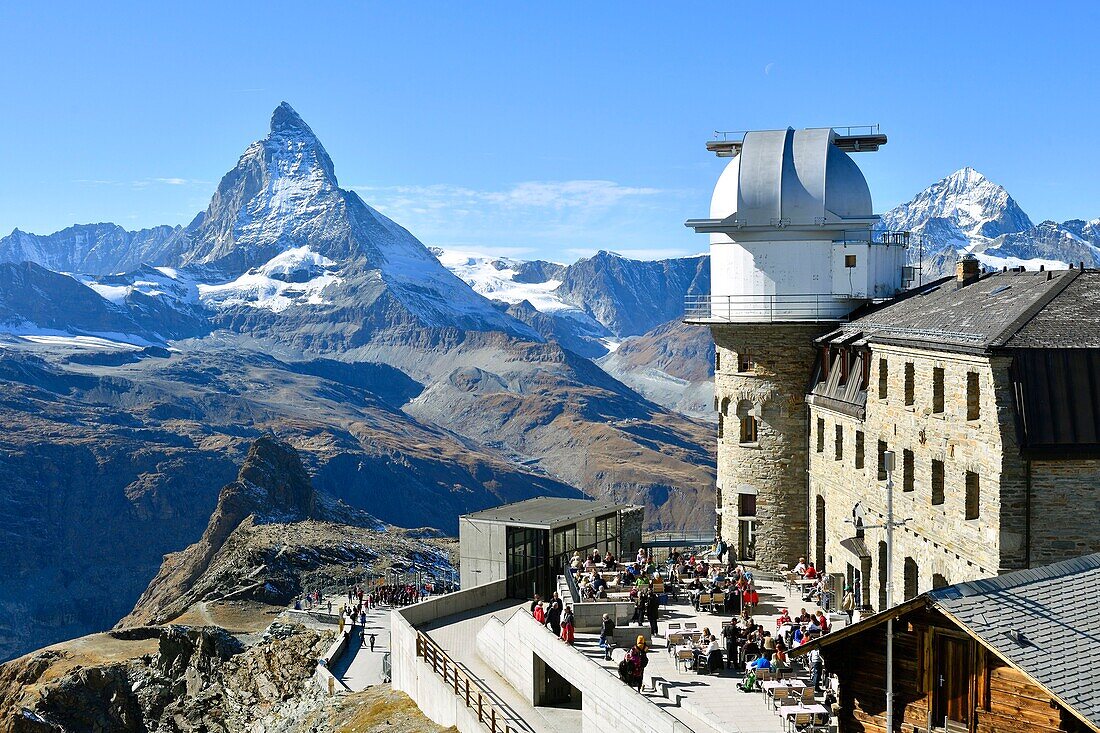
point(1017, 652)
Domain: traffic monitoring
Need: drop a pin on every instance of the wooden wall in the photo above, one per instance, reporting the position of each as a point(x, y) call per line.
point(1005, 700)
point(1017, 704)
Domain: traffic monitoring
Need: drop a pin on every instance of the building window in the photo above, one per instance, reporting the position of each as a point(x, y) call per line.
point(937, 482)
point(820, 435)
point(911, 579)
point(937, 389)
point(907, 470)
point(973, 396)
point(859, 449)
point(717, 360)
point(883, 379)
point(748, 429)
point(744, 362)
point(973, 495)
point(721, 425)
point(910, 384)
point(849, 260)
point(938, 581)
point(882, 460)
point(746, 505)
point(839, 443)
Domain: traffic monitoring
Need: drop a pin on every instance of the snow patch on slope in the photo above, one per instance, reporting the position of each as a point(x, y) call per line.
point(297, 276)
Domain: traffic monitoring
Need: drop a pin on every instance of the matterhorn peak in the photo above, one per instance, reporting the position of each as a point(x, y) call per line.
point(285, 119)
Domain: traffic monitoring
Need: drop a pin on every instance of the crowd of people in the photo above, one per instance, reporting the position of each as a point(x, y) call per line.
point(556, 615)
point(742, 645)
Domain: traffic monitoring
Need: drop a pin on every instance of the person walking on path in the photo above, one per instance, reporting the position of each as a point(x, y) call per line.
point(607, 635)
point(373, 637)
point(848, 604)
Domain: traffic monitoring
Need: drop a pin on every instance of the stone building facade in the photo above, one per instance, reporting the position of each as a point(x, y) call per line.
point(996, 441)
point(760, 377)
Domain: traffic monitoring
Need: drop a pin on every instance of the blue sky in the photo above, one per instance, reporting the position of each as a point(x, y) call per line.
point(549, 129)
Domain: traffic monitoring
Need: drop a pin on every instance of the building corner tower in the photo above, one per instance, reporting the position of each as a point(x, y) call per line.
point(793, 251)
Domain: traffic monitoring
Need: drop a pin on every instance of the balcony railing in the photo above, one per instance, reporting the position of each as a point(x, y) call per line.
point(808, 307)
point(468, 689)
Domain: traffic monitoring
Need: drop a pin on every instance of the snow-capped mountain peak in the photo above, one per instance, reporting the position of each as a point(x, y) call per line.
point(975, 205)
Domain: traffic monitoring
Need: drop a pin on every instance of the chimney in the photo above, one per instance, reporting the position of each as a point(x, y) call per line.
point(967, 270)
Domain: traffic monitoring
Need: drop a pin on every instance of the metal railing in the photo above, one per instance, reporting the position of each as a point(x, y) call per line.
point(805, 307)
point(466, 688)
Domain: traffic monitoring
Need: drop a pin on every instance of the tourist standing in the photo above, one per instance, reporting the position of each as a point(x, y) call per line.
point(651, 609)
point(553, 616)
point(567, 620)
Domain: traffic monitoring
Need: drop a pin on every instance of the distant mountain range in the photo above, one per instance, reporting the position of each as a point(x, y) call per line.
point(968, 213)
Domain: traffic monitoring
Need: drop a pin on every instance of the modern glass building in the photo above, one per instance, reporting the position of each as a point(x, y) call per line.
point(530, 542)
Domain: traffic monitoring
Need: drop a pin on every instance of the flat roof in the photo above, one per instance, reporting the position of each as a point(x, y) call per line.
point(546, 511)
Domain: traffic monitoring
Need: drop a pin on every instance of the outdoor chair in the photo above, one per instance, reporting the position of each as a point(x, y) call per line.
point(779, 696)
point(674, 626)
point(687, 656)
point(717, 602)
point(690, 625)
point(674, 640)
point(808, 696)
point(801, 721)
point(704, 601)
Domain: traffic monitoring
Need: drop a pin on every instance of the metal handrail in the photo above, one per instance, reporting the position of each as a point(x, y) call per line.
point(808, 307)
point(466, 687)
point(724, 135)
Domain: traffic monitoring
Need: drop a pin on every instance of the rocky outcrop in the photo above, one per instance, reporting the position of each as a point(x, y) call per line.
point(200, 679)
point(673, 365)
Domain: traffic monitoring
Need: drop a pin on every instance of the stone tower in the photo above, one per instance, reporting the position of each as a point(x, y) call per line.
point(793, 252)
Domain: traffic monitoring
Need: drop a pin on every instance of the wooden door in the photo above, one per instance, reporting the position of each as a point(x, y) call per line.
point(951, 704)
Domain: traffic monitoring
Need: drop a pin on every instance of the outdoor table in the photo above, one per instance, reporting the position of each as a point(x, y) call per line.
point(776, 684)
point(787, 712)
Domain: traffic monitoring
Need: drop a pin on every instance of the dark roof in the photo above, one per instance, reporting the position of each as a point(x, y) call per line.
point(1057, 395)
point(1070, 321)
point(1042, 621)
point(546, 511)
point(981, 315)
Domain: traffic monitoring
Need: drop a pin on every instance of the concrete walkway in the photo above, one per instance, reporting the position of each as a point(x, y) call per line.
point(360, 667)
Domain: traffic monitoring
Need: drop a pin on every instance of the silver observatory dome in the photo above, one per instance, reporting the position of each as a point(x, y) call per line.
point(790, 178)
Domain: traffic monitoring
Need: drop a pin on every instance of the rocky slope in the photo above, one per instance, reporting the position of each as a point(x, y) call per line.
point(104, 469)
point(225, 663)
point(673, 365)
point(270, 534)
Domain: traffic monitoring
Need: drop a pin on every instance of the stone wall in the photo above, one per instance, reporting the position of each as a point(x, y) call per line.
point(1065, 507)
point(773, 467)
point(938, 539)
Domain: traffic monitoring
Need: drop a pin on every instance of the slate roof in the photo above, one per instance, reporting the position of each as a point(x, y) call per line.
point(987, 313)
point(1070, 321)
point(1054, 610)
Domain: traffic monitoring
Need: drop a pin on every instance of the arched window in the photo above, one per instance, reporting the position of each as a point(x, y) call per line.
point(748, 429)
point(911, 580)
